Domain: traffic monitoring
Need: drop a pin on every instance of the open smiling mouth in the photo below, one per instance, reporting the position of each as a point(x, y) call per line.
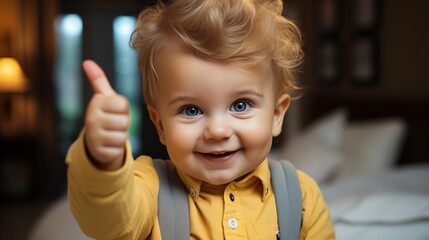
point(219, 156)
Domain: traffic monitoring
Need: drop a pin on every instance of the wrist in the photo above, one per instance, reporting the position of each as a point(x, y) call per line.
point(112, 165)
point(109, 166)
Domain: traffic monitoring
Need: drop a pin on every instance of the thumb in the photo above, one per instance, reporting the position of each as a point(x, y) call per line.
point(97, 78)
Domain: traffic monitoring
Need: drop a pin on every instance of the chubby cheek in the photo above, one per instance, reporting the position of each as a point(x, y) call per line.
point(179, 140)
point(256, 137)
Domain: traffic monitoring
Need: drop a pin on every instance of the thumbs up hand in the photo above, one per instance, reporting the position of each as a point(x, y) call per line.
point(106, 121)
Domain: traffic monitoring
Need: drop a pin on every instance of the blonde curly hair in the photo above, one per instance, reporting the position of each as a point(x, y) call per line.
point(243, 32)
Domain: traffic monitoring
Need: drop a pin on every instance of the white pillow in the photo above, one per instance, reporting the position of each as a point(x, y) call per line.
point(313, 157)
point(315, 150)
point(370, 147)
point(329, 128)
point(388, 208)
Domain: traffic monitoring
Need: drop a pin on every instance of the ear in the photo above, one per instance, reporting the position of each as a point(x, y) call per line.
point(279, 112)
point(154, 116)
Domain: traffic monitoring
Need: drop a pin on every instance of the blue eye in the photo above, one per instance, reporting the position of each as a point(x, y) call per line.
point(191, 111)
point(240, 106)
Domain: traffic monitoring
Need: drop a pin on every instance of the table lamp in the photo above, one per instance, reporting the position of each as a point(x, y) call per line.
point(12, 84)
point(12, 78)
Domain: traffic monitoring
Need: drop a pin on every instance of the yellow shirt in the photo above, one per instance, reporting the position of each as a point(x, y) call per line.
point(123, 204)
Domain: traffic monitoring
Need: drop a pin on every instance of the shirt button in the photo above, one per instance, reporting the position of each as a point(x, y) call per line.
point(233, 223)
point(192, 192)
point(231, 196)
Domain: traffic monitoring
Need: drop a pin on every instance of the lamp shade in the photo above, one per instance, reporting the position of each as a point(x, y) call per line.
point(12, 78)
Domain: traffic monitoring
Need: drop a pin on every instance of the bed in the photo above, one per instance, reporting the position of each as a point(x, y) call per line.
point(361, 163)
point(369, 158)
point(393, 204)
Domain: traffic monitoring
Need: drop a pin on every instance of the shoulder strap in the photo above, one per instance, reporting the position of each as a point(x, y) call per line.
point(173, 209)
point(288, 198)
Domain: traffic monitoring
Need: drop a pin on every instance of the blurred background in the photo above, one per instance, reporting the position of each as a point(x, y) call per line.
point(368, 55)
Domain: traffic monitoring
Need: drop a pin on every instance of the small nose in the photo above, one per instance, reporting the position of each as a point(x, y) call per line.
point(218, 128)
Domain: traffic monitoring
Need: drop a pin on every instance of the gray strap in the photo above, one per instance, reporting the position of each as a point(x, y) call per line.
point(173, 209)
point(288, 198)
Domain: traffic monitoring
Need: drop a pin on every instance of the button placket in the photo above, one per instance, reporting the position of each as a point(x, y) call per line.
point(232, 215)
point(233, 223)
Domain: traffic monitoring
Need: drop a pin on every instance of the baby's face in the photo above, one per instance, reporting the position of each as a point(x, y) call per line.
point(216, 120)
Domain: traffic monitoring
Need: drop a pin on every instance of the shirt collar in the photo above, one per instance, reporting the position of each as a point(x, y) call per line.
point(261, 173)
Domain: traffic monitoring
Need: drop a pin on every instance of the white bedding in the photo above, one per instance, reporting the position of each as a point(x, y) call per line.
point(57, 222)
point(390, 205)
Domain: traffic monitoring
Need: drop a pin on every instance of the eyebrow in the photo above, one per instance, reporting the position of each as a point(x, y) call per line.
point(250, 92)
point(241, 92)
point(180, 98)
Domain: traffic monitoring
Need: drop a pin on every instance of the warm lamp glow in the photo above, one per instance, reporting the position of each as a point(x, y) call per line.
point(12, 78)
